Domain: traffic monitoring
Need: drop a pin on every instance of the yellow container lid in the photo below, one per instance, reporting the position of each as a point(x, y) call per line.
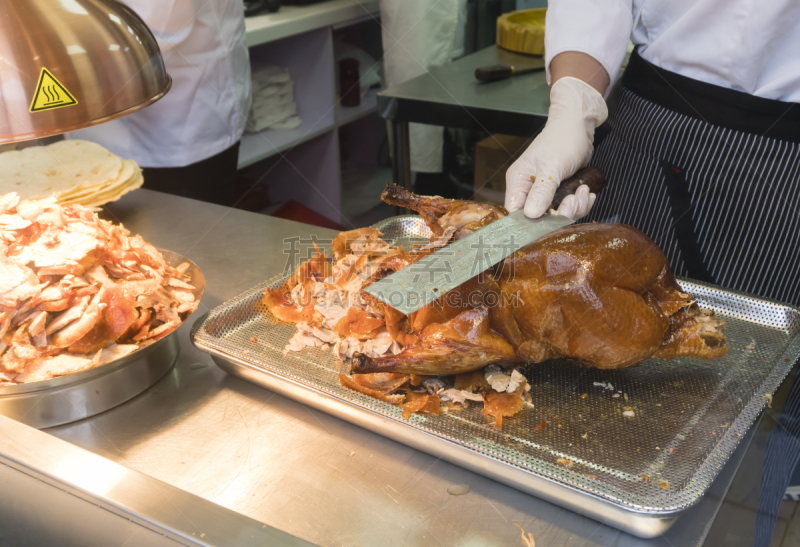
point(522, 31)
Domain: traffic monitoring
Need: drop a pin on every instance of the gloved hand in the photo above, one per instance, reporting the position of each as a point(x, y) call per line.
point(563, 147)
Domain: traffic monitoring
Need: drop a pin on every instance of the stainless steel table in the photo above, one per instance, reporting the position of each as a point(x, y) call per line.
point(205, 458)
point(451, 96)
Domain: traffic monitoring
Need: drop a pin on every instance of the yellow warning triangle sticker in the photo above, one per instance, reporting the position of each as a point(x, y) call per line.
point(50, 93)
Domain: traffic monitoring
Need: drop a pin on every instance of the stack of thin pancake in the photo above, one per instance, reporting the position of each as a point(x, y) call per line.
point(80, 172)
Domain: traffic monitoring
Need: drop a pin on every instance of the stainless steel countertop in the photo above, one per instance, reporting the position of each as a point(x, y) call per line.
point(451, 96)
point(296, 469)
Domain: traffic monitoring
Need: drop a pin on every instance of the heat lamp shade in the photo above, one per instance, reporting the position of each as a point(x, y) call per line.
point(70, 64)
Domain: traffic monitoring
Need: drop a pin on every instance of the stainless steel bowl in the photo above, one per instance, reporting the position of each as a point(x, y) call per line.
point(76, 396)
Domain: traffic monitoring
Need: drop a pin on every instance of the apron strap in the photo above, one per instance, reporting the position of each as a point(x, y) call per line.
point(684, 223)
point(720, 106)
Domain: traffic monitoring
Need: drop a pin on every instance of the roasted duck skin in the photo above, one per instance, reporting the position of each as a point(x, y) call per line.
point(601, 295)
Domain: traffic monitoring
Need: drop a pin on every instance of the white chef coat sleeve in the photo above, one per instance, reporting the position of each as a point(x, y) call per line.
point(599, 29)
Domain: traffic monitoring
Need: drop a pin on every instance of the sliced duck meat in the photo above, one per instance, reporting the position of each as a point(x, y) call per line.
point(46, 368)
point(80, 328)
point(72, 286)
point(70, 315)
point(118, 313)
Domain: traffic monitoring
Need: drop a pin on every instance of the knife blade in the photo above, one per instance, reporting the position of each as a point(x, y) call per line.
point(421, 283)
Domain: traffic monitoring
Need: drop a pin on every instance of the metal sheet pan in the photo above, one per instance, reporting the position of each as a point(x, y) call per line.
point(637, 474)
point(76, 396)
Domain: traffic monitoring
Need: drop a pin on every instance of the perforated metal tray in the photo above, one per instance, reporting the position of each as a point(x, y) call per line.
point(635, 473)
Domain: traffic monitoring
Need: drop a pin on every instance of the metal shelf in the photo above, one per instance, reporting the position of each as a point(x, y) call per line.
point(259, 146)
point(293, 20)
point(347, 114)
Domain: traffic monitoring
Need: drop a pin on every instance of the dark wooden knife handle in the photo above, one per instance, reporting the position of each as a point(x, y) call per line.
point(593, 177)
point(492, 73)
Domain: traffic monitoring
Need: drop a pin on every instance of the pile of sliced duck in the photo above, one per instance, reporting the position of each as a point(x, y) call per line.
point(77, 291)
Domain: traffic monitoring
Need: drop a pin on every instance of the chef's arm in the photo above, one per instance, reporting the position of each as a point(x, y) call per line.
point(584, 47)
point(583, 36)
point(579, 65)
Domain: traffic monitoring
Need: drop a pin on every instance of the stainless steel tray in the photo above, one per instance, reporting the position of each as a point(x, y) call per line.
point(76, 396)
point(689, 414)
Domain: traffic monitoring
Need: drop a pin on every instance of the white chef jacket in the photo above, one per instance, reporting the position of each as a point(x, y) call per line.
point(203, 45)
point(747, 45)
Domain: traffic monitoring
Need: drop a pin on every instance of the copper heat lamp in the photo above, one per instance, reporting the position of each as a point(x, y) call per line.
point(69, 64)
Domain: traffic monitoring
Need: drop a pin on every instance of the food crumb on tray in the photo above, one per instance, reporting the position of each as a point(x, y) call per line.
point(565, 462)
point(527, 540)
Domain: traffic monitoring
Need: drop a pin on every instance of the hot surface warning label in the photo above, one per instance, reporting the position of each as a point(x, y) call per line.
point(50, 94)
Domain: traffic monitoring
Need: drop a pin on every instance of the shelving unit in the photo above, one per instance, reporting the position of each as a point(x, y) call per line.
point(265, 144)
point(259, 146)
point(369, 104)
point(303, 164)
point(294, 20)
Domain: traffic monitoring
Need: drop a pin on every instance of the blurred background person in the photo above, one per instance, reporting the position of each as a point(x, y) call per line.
point(188, 142)
point(417, 36)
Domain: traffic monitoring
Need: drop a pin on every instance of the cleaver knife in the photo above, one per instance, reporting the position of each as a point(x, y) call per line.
point(419, 284)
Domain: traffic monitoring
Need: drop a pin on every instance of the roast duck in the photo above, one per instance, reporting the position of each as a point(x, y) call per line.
point(596, 295)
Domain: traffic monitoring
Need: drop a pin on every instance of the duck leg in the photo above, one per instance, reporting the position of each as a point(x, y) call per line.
point(461, 217)
point(463, 344)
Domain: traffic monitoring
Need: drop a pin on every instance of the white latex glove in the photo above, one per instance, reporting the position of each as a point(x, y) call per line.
point(563, 147)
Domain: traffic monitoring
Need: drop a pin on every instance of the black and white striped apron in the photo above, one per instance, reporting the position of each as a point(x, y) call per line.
point(716, 186)
point(712, 175)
